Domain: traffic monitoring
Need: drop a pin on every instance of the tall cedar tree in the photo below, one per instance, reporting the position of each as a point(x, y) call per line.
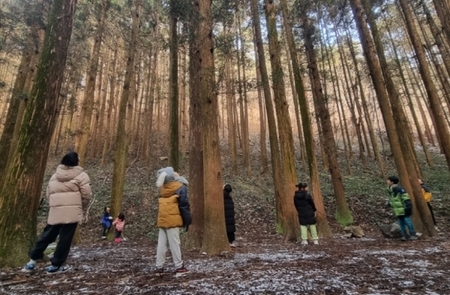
point(24, 175)
point(409, 181)
point(196, 196)
point(380, 89)
point(87, 109)
point(433, 98)
point(35, 20)
point(173, 88)
point(214, 236)
point(322, 223)
point(122, 139)
point(343, 213)
point(287, 216)
point(273, 139)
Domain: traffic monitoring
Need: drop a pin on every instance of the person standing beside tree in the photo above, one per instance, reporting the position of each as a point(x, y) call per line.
point(306, 213)
point(401, 205)
point(69, 193)
point(229, 214)
point(173, 214)
point(426, 192)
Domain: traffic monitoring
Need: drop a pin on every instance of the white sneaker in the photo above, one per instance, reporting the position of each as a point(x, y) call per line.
point(305, 242)
point(233, 245)
point(316, 242)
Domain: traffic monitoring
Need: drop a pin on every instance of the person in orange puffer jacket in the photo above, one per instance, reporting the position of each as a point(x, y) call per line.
point(173, 214)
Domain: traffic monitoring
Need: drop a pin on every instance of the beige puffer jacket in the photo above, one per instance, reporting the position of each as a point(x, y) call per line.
point(68, 193)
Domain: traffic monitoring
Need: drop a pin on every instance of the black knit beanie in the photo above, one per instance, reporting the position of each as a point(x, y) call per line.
point(70, 159)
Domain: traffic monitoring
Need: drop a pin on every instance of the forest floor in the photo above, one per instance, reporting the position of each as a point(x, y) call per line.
point(261, 263)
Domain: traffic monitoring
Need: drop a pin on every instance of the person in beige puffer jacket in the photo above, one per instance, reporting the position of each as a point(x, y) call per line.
point(69, 193)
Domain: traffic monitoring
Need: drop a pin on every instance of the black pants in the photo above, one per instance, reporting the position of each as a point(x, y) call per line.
point(231, 237)
point(48, 236)
point(105, 230)
point(432, 214)
point(118, 234)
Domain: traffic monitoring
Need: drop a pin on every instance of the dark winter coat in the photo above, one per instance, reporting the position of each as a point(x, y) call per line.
point(305, 207)
point(106, 219)
point(229, 212)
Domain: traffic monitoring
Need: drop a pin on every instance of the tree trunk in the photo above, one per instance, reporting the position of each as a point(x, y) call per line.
point(122, 139)
point(273, 139)
point(343, 213)
point(262, 114)
point(214, 238)
point(244, 103)
point(26, 73)
point(322, 222)
point(22, 186)
point(196, 196)
point(173, 89)
point(378, 71)
point(287, 214)
point(443, 12)
point(410, 102)
point(433, 98)
point(88, 101)
point(370, 128)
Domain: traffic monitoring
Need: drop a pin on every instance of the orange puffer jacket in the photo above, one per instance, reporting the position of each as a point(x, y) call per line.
point(169, 215)
point(68, 193)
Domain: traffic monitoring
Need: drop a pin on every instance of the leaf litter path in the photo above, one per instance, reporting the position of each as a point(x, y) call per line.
point(262, 266)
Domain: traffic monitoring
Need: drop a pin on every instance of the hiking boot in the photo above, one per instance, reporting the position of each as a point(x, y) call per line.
point(181, 269)
point(316, 242)
point(29, 267)
point(56, 269)
point(304, 243)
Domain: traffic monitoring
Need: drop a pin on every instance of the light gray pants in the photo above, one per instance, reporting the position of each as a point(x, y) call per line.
point(169, 237)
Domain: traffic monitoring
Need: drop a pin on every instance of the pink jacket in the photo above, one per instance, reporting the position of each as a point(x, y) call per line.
point(119, 224)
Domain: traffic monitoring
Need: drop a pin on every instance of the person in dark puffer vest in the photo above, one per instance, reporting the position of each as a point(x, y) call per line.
point(306, 213)
point(229, 214)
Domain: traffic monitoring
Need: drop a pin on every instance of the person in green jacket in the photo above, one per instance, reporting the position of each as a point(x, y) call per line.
point(400, 203)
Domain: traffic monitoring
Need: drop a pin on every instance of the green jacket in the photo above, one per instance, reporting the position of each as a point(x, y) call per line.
point(399, 201)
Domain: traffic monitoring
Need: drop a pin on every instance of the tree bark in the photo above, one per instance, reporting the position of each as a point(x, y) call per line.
point(286, 213)
point(122, 139)
point(21, 189)
point(343, 213)
point(322, 222)
point(88, 101)
point(173, 89)
point(433, 98)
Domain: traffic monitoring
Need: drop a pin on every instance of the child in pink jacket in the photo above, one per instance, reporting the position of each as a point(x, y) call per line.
point(119, 224)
